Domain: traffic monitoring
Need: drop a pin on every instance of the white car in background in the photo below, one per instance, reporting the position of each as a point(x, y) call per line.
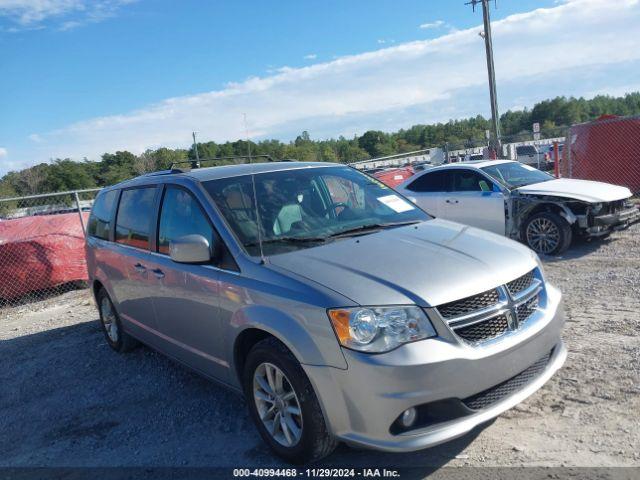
point(529, 155)
point(521, 202)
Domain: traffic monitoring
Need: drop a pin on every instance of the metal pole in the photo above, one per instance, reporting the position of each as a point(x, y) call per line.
point(246, 129)
point(84, 231)
point(52, 194)
point(495, 117)
point(195, 146)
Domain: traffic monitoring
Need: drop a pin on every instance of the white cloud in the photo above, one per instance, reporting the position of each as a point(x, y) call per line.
point(3, 152)
point(432, 25)
point(311, 56)
point(422, 81)
point(31, 14)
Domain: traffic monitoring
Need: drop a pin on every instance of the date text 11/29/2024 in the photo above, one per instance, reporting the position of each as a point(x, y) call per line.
point(317, 472)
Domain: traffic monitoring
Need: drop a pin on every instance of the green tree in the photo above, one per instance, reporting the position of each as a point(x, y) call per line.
point(116, 167)
point(65, 174)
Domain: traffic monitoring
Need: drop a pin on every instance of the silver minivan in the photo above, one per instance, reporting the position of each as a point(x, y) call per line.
point(342, 311)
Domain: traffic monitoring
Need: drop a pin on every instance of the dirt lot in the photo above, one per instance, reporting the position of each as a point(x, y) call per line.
point(67, 400)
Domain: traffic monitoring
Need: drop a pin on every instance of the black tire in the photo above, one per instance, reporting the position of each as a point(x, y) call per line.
point(561, 226)
point(316, 441)
point(124, 342)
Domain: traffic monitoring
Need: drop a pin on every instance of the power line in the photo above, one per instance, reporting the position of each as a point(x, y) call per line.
point(488, 42)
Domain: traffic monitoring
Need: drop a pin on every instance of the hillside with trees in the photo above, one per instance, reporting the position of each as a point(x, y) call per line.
point(553, 115)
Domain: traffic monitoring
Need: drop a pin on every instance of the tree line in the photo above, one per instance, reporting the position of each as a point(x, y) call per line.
point(553, 115)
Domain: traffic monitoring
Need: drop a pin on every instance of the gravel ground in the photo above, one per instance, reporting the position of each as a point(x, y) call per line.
point(67, 400)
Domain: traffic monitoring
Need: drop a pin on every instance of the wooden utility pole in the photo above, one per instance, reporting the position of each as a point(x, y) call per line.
point(495, 115)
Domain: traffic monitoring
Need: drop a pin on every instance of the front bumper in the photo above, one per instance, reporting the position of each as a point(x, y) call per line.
point(614, 221)
point(362, 402)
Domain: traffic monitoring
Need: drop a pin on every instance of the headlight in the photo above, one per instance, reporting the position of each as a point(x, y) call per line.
point(380, 329)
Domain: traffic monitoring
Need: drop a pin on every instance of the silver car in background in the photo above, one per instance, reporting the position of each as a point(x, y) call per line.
point(340, 310)
point(521, 202)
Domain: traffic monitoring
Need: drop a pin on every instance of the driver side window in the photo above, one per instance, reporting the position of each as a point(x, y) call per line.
point(181, 215)
point(469, 181)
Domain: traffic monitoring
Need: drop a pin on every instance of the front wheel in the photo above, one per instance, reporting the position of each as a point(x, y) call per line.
point(547, 233)
point(284, 406)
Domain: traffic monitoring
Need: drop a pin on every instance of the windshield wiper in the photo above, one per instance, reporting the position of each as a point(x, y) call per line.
point(372, 227)
point(288, 240)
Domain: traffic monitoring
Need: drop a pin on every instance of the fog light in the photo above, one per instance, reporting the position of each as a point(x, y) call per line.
point(408, 417)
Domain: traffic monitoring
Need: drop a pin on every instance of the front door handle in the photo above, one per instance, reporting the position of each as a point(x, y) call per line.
point(140, 268)
point(451, 200)
point(158, 273)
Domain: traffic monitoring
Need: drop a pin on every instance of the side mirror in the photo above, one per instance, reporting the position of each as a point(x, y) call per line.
point(190, 249)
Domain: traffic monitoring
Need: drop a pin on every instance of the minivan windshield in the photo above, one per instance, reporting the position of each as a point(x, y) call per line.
point(306, 207)
point(513, 174)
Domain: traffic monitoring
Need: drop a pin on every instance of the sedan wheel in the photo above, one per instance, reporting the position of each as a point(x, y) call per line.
point(543, 235)
point(547, 233)
point(277, 404)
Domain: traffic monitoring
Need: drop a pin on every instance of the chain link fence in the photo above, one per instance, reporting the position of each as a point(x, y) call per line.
point(606, 150)
point(42, 245)
point(537, 150)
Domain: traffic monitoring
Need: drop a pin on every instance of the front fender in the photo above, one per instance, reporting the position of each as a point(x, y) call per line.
point(308, 333)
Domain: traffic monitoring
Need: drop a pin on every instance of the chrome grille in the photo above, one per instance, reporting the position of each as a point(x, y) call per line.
point(469, 304)
point(492, 395)
point(493, 313)
point(520, 284)
point(526, 309)
point(482, 331)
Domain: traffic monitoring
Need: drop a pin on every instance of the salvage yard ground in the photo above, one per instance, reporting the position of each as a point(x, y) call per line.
point(67, 400)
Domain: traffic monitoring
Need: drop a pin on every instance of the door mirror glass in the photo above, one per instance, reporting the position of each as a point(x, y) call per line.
point(190, 249)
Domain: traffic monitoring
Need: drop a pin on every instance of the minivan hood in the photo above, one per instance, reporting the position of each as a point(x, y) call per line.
point(584, 190)
point(427, 264)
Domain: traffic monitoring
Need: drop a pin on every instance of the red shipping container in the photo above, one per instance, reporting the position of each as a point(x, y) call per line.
point(606, 150)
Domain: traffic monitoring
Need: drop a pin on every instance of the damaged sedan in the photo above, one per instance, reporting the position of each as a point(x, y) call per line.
point(523, 203)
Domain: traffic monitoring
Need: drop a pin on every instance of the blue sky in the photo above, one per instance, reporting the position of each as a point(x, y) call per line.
point(82, 77)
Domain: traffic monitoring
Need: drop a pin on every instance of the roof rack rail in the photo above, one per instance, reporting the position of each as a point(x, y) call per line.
point(171, 171)
point(198, 163)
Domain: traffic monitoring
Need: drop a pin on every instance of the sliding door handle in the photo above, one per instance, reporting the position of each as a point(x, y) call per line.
point(140, 268)
point(158, 273)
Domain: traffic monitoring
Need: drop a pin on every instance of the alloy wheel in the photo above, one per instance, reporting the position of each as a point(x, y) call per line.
point(543, 235)
point(108, 317)
point(277, 404)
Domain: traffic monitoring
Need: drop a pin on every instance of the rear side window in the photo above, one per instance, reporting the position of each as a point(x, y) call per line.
point(135, 212)
point(181, 215)
point(100, 219)
point(430, 182)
